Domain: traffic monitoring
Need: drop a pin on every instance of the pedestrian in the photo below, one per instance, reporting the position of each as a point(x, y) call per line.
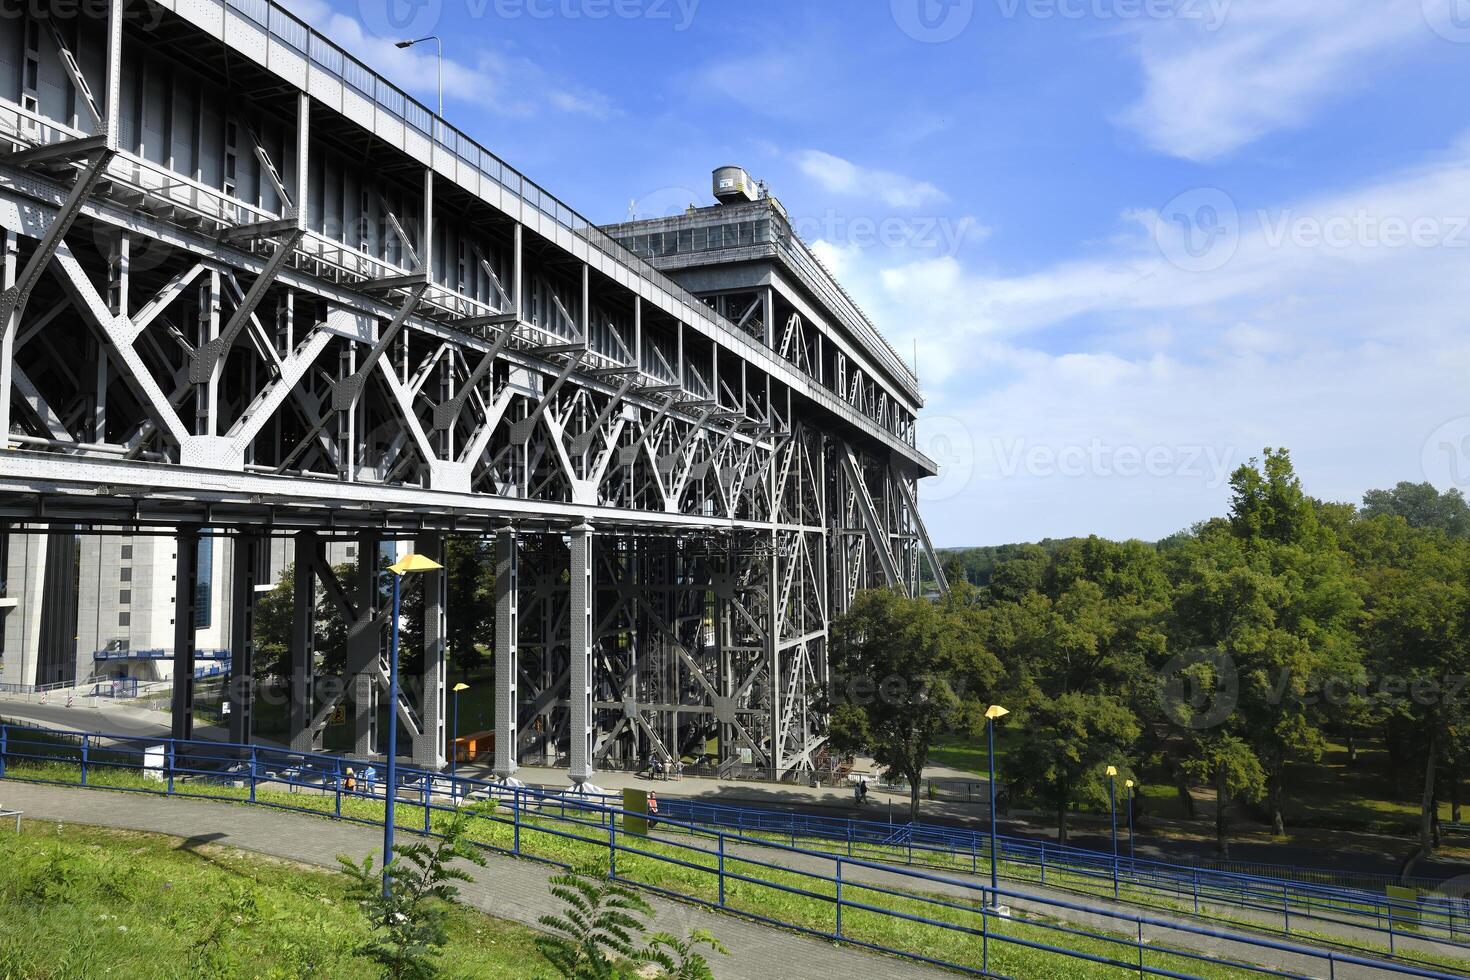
point(679, 768)
point(652, 809)
point(350, 783)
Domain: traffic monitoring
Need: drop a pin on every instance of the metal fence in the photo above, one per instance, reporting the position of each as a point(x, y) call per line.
point(964, 924)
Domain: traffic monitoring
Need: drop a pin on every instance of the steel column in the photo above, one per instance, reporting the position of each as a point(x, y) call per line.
point(303, 635)
point(241, 686)
point(579, 615)
point(186, 583)
point(507, 636)
point(430, 743)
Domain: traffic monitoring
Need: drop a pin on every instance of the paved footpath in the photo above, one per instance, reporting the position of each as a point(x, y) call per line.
point(506, 888)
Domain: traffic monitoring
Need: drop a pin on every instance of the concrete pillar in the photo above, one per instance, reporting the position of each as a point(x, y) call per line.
point(302, 638)
point(507, 636)
point(579, 613)
point(365, 647)
point(429, 747)
point(25, 576)
point(186, 581)
point(245, 569)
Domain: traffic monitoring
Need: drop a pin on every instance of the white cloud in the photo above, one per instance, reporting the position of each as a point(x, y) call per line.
point(1330, 328)
point(839, 176)
point(1211, 88)
point(506, 84)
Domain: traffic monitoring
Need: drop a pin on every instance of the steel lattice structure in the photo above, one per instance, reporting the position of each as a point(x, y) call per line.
point(250, 286)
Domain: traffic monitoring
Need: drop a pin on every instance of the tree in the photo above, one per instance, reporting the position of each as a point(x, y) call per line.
point(1421, 506)
point(275, 612)
point(409, 923)
point(894, 662)
point(1271, 591)
point(1064, 745)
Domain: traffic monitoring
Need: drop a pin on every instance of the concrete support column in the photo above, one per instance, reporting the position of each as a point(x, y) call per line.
point(430, 744)
point(365, 649)
point(241, 688)
point(507, 636)
point(579, 613)
point(186, 581)
point(303, 633)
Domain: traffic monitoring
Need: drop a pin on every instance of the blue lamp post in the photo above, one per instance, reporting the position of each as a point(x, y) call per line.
point(1113, 807)
point(1128, 785)
point(454, 745)
point(991, 714)
point(408, 565)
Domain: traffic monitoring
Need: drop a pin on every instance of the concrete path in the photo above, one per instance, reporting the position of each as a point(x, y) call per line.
point(506, 888)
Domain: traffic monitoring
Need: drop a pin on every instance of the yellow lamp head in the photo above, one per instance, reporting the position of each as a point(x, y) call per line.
point(411, 563)
point(1112, 771)
point(1127, 784)
point(462, 686)
point(996, 711)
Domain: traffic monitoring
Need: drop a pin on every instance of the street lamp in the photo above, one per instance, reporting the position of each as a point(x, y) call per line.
point(991, 713)
point(439, 61)
point(1113, 806)
point(409, 564)
point(454, 746)
point(1128, 785)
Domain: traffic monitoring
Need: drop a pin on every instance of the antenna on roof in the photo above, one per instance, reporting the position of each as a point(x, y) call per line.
point(632, 209)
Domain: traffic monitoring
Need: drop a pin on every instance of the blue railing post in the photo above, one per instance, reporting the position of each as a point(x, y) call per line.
point(428, 783)
point(169, 761)
point(1390, 930)
point(612, 846)
point(839, 898)
point(1195, 879)
point(1286, 908)
point(337, 803)
point(721, 871)
point(254, 763)
point(849, 838)
point(4, 747)
point(84, 760)
point(974, 860)
point(1043, 864)
point(515, 811)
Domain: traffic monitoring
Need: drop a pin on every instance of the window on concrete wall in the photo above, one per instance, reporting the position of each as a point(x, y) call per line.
point(204, 583)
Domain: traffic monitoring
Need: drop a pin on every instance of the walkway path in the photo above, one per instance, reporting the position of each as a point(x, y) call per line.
point(506, 888)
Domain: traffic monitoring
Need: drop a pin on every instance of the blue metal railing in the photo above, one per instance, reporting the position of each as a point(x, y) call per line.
point(965, 907)
point(1445, 919)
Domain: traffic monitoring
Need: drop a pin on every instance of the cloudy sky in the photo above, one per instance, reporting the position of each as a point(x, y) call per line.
point(1130, 242)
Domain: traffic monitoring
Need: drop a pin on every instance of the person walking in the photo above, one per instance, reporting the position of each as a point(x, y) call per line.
point(652, 809)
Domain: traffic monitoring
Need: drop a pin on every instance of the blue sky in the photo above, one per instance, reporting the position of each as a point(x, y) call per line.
point(1134, 241)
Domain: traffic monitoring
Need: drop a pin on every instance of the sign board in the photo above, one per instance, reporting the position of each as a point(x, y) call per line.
point(635, 811)
point(1406, 901)
point(338, 716)
point(155, 757)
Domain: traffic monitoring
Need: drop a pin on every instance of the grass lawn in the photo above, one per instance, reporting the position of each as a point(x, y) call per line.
point(87, 902)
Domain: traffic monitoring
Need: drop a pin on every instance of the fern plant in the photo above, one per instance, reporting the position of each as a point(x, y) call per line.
point(681, 959)
point(601, 924)
point(409, 923)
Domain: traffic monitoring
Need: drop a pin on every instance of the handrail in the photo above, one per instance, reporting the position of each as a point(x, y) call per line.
point(182, 765)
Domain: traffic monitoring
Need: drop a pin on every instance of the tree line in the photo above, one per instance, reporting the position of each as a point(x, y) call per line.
point(1222, 656)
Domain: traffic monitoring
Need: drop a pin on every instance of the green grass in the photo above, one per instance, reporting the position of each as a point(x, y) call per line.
point(776, 893)
point(85, 902)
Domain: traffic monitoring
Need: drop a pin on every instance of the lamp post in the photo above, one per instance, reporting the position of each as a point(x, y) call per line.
point(1113, 807)
point(439, 61)
point(1128, 785)
point(991, 714)
point(454, 745)
point(410, 564)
